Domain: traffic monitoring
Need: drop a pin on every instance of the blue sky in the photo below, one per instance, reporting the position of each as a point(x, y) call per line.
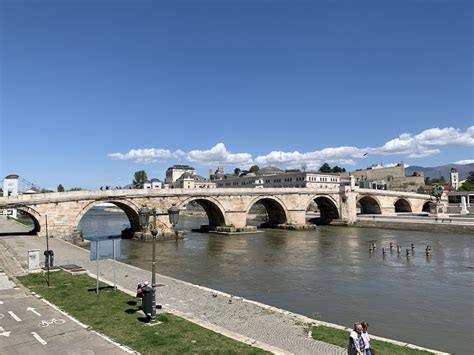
point(92, 91)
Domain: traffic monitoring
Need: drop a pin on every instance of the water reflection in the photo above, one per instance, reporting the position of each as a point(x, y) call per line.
point(330, 272)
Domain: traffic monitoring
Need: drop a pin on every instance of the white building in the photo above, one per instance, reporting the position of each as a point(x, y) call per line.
point(454, 178)
point(193, 181)
point(274, 177)
point(10, 188)
point(174, 172)
point(153, 184)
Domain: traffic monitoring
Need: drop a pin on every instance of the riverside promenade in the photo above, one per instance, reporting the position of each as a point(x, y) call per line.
point(278, 331)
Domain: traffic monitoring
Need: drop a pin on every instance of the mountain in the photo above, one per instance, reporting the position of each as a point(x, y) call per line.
point(442, 170)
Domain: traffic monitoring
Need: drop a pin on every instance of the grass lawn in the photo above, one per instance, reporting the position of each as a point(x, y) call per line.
point(113, 313)
point(341, 338)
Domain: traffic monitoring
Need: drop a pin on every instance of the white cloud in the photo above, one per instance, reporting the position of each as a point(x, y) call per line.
point(464, 162)
point(218, 155)
point(144, 156)
point(419, 145)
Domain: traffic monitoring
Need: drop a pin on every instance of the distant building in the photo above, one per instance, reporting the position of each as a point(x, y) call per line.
point(153, 184)
point(454, 179)
point(174, 172)
point(10, 188)
point(193, 181)
point(275, 177)
point(392, 178)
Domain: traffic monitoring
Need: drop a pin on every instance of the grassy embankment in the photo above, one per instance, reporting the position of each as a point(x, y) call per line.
point(114, 313)
point(340, 338)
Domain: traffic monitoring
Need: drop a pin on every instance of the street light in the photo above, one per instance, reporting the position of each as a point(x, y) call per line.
point(144, 216)
point(173, 214)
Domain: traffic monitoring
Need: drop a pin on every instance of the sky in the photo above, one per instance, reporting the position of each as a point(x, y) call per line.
point(92, 91)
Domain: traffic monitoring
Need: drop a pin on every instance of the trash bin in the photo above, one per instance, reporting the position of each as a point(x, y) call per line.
point(33, 259)
point(147, 299)
point(51, 258)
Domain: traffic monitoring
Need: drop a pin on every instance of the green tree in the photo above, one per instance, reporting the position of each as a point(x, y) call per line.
point(468, 185)
point(470, 177)
point(139, 179)
point(237, 171)
point(75, 189)
point(254, 168)
point(325, 168)
point(337, 169)
point(60, 188)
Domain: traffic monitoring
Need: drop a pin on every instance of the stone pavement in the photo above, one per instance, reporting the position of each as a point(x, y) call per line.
point(12, 226)
point(264, 326)
point(29, 325)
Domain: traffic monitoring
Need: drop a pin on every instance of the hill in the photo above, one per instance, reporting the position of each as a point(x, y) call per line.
point(442, 170)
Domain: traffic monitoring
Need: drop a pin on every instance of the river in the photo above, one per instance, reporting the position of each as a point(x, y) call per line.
point(327, 274)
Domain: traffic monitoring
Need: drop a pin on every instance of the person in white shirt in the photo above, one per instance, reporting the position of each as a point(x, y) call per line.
point(356, 343)
point(367, 350)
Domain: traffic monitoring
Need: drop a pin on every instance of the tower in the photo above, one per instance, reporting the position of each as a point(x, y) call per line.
point(454, 178)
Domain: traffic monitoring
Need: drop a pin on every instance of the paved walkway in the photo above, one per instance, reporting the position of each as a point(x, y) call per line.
point(31, 326)
point(280, 331)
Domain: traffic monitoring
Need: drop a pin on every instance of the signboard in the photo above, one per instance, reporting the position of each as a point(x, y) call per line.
point(105, 246)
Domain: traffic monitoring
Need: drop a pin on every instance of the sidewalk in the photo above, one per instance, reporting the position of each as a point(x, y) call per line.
point(248, 321)
point(31, 326)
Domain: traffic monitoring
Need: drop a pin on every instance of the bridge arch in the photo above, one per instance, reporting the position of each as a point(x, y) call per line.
point(403, 205)
point(214, 210)
point(369, 205)
point(276, 209)
point(129, 208)
point(35, 217)
point(327, 207)
point(428, 206)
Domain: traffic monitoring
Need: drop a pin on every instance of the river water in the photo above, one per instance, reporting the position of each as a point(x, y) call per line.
point(327, 274)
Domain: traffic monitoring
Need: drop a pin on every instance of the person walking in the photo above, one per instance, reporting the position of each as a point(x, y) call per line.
point(368, 350)
point(356, 342)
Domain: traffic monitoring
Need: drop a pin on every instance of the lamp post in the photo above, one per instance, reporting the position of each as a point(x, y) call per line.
point(154, 232)
point(144, 216)
point(173, 214)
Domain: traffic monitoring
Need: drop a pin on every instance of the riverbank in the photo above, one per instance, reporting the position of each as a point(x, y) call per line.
point(226, 314)
point(447, 224)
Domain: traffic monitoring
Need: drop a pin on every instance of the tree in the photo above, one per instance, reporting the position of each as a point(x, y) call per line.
point(75, 189)
point(139, 179)
point(325, 168)
point(237, 171)
point(304, 166)
point(254, 168)
point(470, 177)
point(468, 185)
point(60, 188)
point(337, 169)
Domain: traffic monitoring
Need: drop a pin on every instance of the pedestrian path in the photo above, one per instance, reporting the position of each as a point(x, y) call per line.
point(273, 329)
point(29, 325)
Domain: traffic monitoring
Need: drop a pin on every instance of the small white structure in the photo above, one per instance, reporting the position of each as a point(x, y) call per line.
point(33, 259)
point(464, 205)
point(153, 184)
point(454, 178)
point(10, 188)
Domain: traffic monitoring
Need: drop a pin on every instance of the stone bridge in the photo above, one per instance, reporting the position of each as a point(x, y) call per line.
point(224, 207)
